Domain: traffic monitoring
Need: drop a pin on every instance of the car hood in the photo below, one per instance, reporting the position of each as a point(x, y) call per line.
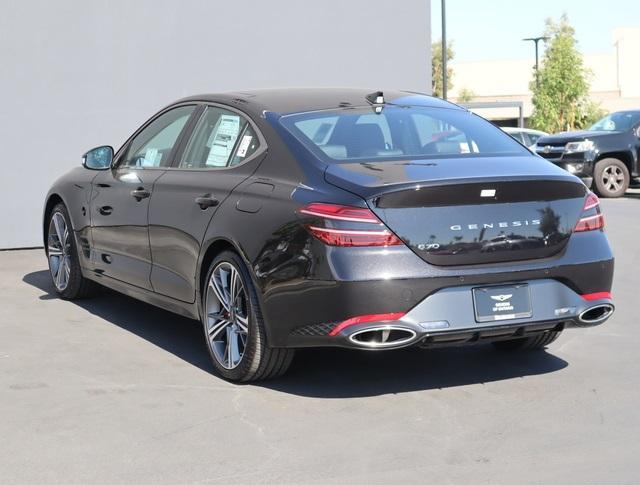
point(569, 136)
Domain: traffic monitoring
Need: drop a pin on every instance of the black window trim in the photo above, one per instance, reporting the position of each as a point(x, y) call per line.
point(185, 129)
point(177, 156)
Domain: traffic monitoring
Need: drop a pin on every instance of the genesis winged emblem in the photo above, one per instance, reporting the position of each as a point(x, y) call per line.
point(501, 297)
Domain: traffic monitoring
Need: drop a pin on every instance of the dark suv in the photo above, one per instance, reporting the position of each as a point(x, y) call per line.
point(605, 156)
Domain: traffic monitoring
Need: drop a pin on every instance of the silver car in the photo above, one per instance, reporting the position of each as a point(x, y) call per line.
point(525, 136)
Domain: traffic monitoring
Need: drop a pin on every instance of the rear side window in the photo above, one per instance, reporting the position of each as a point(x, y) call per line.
point(248, 144)
point(399, 132)
point(222, 138)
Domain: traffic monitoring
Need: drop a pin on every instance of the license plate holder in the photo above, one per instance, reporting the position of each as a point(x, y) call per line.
point(496, 303)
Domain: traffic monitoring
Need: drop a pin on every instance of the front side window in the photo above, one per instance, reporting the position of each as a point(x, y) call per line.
point(399, 132)
point(152, 146)
point(221, 138)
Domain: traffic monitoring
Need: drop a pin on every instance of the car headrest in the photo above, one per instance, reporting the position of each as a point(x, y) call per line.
point(364, 138)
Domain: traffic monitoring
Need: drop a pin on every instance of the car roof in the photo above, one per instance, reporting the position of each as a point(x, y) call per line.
point(298, 100)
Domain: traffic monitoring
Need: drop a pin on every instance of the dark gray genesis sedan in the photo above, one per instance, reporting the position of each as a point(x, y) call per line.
point(292, 218)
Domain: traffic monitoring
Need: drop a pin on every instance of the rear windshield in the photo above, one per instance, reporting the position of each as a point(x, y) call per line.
point(399, 132)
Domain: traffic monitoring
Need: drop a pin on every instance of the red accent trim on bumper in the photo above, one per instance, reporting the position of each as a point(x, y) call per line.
point(378, 317)
point(597, 296)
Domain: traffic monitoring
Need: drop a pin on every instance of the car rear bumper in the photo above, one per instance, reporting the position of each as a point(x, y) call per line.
point(363, 281)
point(448, 317)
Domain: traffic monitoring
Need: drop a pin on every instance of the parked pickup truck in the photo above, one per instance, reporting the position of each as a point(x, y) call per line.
point(605, 156)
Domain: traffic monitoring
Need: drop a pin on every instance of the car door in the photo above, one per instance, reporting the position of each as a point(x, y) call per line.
point(120, 198)
point(216, 158)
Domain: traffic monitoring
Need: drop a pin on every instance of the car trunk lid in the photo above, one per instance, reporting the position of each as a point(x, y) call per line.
point(461, 212)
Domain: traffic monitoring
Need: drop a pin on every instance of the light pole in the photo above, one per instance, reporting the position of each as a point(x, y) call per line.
point(444, 51)
point(535, 40)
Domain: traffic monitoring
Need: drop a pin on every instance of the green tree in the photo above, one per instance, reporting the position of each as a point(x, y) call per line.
point(561, 98)
point(466, 95)
point(436, 67)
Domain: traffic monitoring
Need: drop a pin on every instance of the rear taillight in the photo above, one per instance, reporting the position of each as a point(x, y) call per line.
point(592, 218)
point(340, 213)
point(340, 225)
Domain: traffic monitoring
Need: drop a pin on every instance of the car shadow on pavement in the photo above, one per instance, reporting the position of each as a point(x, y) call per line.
point(339, 373)
point(322, 373)
point(179, 335)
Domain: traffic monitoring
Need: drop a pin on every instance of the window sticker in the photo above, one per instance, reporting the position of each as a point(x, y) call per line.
point(245, 143)
point(150, 157)
point(222, 139)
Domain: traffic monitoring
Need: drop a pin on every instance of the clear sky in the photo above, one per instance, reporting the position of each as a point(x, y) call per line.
point(494, 29)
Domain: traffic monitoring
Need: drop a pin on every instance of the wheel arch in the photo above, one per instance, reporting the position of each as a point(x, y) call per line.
point(52, 200)
point(624, 156)
point(208, 254)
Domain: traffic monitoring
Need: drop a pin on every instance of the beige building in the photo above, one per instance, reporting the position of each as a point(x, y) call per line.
point(615, 81)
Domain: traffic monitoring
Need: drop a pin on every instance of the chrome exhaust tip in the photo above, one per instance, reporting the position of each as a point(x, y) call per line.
point(596, 314)
point(383, 336)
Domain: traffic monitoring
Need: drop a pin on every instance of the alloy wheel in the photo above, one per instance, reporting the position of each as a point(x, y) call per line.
point(59, 251)
point(612, 178)
point(227, 317)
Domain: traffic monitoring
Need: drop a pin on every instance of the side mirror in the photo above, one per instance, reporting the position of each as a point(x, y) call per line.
point(99, 158)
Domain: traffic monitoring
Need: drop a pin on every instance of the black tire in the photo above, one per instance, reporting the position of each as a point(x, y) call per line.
point(77, 286)
point(611, 178)
point(259, 361)
point(535, 342)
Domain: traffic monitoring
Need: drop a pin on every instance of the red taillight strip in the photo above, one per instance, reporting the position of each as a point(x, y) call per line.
point(594, 222)
point(591, 223)
point(378, 317)
point(348, 232)
point(597, 296)
point(591, 201)
point(340, 213)
point(343, 236)
point(354, 238)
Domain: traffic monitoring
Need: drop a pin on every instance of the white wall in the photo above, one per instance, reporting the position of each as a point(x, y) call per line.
point(78, 74)
point(627, 41)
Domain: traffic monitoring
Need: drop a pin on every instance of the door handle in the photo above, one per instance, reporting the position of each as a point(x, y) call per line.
point(105, 210)
point(207, 201)
point(140, 193)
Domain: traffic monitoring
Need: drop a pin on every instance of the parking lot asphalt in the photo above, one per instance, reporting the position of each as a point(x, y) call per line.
point(112, 390)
